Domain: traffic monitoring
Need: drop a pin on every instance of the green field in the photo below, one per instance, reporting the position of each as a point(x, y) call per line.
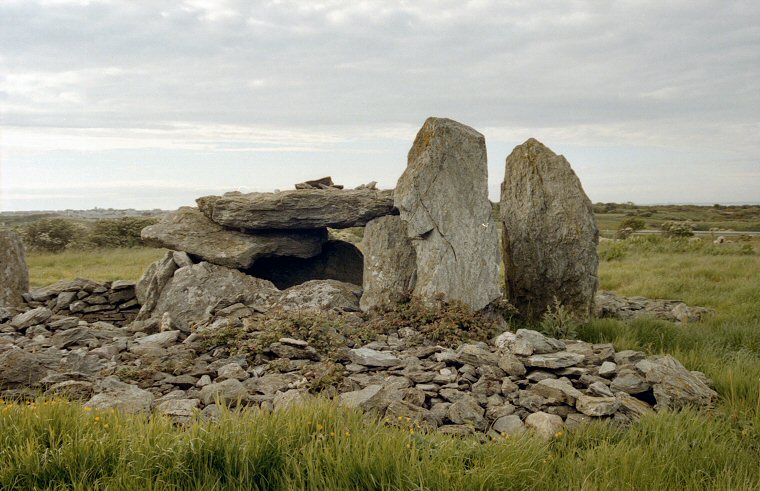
point(58, 445)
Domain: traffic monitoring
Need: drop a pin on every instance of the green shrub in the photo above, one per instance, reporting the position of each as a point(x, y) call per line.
point(677, 229)
point(634, 223)
point(119, 232)
point(51, 235)
point(558, 322)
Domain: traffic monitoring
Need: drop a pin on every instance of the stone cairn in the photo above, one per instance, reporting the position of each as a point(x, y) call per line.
point(238, 256)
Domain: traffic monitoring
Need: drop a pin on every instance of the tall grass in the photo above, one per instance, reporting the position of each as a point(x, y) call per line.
point(56, 445)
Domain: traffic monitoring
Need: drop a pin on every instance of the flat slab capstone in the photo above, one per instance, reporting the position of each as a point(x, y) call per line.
point(443, 198)
point(298, 209)
point(189, 230)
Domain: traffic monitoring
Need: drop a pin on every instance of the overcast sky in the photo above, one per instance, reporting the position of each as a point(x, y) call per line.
point(152, 103)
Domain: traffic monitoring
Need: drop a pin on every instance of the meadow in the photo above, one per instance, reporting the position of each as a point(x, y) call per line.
point(57, 445)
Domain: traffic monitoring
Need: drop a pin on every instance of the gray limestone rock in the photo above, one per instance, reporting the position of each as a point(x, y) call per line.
point(230, 392)
point(300, 209)
point(545, 425)
point(608, 304)
point(443, 198)
point(561, 359)
point(467, 411)
point(373, 358)
point(152, 283)
point(179, 410)
point(597, 406)
point(549, 234)
point(321, 295)
point(366, 399)
point(510, 425)
point(31, 318)
point(675, 386)
point(390, 267)
point(118, 395)
point(195, 289)
point(19, 368)
point(338, 260)
point(189, 230)
point(14, 275)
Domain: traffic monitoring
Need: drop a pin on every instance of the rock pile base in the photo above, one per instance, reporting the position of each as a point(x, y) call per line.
point(514, 383)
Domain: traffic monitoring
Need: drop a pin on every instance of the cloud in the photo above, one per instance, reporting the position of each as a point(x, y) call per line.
point(327, 76)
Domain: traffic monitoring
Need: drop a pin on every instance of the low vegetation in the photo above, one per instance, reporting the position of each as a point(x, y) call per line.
point(57, 445)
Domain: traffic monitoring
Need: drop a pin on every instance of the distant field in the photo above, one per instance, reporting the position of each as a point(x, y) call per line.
point(98, 265)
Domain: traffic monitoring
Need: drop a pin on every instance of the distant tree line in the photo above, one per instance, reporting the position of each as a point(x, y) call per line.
point(58, 234)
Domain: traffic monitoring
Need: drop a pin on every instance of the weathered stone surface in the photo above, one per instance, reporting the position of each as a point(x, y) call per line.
point(597, 406)
point(189, 230)
point(373, 358)
point(630, 382)
point(300, 209)
point(535, 342)
point(675, 386)
point(467, 411)
point(14, 275)
point(509, 425)
point(321, 183)
point(443, 198)
point(511, 365)
point(338, 260)
point(152, 283)
point(549, 234)
point(366, 399)
point(321, 295)
point(194, 289)
point(559, 390)
point(545, 425)
point(179, 410)
point(31, 318)
point(75, 390)
point(124, 397)
point(230, 392)
point(21, 368)
point(561, 359)
point(608, 304)
point(390, 266)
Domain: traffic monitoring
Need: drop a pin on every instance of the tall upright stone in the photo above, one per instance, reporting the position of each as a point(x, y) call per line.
point(549, 234)
point(390, 263)
point(14, 275)
point(443, 198)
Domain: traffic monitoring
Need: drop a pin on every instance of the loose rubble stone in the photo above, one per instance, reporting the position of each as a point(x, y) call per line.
point(549, 236)
point(390, 266)
point(31, 318)
point(511, 365)
point(189, 230)
point(20, 368)
point(373, 358)
point(443, 198)
point(121, 396)
point(14, 275)
point(194, 289)
point(510, 425)
point(630, 382)
point(321, 295)
point(297, 210)
point(467, 411)
point(366, 399)
point(597, 406)
point(675, 387)
point(179, 410)
point(611, 305)
point(545, 425)
point(560, 359)
point(230, 392)
point(559, 390)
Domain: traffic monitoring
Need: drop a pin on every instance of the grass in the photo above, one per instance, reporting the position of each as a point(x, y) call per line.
point(97, 265)
point(319, 446)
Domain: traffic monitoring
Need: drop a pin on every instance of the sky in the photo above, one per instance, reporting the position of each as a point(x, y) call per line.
point(150, 104)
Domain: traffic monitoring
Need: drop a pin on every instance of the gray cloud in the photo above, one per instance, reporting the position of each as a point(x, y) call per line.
point(678, 75)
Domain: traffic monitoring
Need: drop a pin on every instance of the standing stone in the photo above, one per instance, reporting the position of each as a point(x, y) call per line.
point(14, 275)
point(549, 234)
point(390, 269)
point(443, 198)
